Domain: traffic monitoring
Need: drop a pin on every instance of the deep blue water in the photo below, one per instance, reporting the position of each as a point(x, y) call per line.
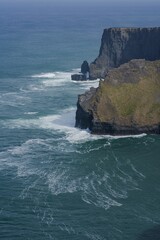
point(58, 182)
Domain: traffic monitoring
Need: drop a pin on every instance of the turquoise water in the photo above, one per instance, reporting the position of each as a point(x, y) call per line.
point(58, 182)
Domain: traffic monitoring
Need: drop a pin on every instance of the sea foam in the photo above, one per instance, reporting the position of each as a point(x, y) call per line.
point(57, 79)
point(63, 122)
point(44, 75)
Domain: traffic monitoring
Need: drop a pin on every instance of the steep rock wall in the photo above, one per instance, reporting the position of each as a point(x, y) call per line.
point(120, 45)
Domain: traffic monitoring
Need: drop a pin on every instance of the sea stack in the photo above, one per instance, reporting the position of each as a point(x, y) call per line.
point(120, 45)
point(84, 74)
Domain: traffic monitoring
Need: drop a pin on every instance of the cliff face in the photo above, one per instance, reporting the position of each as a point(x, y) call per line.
point(126, 102)
point(120, 45)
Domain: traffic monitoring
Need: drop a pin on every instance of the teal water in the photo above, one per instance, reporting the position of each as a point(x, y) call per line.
point(58, 182)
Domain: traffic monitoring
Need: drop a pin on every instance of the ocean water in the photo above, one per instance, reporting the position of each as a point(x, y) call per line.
point(58, 182)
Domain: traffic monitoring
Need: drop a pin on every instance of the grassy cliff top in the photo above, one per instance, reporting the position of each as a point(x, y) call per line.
point(130, 94)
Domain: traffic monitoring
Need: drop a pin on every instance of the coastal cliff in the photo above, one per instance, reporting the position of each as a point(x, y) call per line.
point(126, 102)
point(120, 45)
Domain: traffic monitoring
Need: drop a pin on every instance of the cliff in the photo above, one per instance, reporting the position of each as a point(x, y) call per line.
point(120, 45)
point(126, 102)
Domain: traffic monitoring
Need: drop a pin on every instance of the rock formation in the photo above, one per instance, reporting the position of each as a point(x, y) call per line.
point(78, 77)
point(85, 67)
point(84, 74)
point(120, 45)
point(126, 102)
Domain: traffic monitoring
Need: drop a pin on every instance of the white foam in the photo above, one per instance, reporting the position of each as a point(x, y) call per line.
point(35, 88)
point(94, 195)
point(56, 74)
point(30, 113)
point(128, 136)
point(77, 135)
point(55, 82)
point(68, 229)
point(19, 157)
point(44, 75)
point(137, 172)
point(93, 236)
point(76, 70)
point(86, 85)
point(27, 146)
point(57, 79)
point(13, 99)
point(60, 79)
point(51, 79)
point(63, 122)
point(60, 181)
point(19, 150)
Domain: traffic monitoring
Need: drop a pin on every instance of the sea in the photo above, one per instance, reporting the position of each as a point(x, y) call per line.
point(58, 182)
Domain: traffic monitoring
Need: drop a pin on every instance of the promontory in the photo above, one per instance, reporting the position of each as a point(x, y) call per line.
point(120, 45)
point(127, 101)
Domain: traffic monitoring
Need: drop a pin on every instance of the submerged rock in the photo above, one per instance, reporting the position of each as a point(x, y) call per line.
point(120, 45)
point(126, 102)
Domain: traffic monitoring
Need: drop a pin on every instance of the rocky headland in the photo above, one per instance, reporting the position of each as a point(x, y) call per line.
point(120, 45)
point(126, 102)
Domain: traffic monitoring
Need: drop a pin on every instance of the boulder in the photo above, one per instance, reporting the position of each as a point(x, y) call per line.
point(79, 77)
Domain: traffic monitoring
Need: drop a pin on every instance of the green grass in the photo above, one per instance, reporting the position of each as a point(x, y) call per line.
point(128, 101)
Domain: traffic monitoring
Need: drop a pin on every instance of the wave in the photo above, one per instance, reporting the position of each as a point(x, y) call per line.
point(57, 79)
point(44, 75)
point(94, 236)
point(59, 74)
point(86, 85)
point(60, 181)
point(20, 157)
point(30, 113)
point(63, 122)
point(51, 79)
point(13, 99)
point(101, 188)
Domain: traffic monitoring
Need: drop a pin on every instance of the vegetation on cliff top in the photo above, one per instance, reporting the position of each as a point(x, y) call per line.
point(129, 95)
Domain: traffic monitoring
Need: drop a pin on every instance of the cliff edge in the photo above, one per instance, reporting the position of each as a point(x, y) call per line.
point(120, 45)
point(126, 102)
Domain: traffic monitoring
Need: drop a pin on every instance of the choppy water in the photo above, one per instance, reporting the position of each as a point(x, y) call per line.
point(56, 181)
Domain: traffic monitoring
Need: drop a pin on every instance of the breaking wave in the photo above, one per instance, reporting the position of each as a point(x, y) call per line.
point(44, 75)
point(64, 123)
point(58, 79)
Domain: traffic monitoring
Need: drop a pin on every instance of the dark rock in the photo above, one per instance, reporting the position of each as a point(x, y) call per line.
point(85, 67)
point(78, 77)
point(120, 45)
point(83, 114)
point(83, 75)
point(126, 102)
